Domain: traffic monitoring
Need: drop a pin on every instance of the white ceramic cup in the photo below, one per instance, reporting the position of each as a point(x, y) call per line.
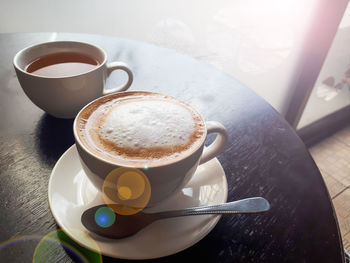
point(164, 179)
point(63, 97)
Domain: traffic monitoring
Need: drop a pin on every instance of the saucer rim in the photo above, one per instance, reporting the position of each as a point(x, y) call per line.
point(212, 223)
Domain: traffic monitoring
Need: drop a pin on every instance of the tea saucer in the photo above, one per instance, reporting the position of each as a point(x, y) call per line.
point(71, 193)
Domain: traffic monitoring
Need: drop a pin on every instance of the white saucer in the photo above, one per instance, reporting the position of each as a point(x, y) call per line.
point(71, 193)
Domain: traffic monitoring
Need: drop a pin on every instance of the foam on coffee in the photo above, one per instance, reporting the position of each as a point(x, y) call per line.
point(140, 128)
point(147, 124)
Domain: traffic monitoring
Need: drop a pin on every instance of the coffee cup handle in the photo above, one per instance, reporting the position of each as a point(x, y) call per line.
point(218, 144)
point(119, 66)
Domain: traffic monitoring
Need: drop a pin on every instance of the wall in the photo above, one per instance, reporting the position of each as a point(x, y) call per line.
point(257, 42)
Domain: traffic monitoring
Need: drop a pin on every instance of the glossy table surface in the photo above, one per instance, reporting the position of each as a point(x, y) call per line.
point(264, 157)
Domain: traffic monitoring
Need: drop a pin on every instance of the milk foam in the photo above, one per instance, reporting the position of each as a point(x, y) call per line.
point(140, 129)
point(147, 123)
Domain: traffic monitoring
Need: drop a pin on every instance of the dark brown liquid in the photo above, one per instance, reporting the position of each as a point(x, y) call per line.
point(62, 64)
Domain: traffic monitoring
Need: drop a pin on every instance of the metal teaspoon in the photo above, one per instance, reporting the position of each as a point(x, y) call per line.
point(127, 225)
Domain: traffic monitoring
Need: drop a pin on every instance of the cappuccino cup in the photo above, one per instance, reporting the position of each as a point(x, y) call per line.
point(143, 134)
point(61, 77)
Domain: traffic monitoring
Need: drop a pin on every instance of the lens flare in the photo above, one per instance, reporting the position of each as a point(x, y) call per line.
point(126, 190)
point(104, 217)
point(50, 245)
point(19, 239)
point(130, 185)
point(45, 249)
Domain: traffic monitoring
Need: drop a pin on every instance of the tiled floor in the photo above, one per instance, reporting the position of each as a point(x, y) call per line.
point(332, 156)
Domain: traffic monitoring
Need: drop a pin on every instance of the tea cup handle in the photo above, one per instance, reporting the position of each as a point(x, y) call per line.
point(218, 144)
point(119, 66)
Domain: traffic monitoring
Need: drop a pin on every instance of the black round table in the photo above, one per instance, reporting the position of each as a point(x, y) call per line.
point(264, 157)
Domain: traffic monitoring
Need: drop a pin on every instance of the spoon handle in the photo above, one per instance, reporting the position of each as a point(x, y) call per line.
point(244, 206)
